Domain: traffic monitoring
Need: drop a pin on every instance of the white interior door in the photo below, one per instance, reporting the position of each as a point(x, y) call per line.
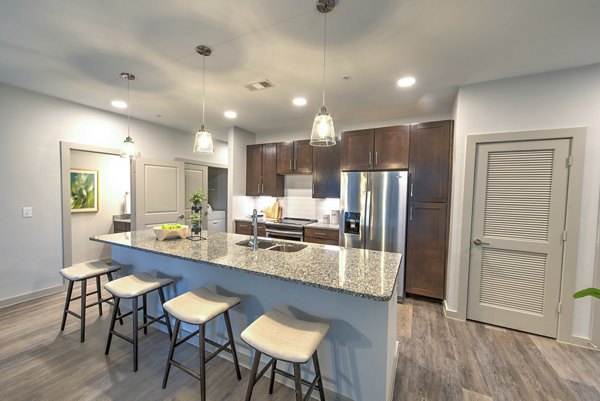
point(196, 177)
point(159, 195)
point(519, 211)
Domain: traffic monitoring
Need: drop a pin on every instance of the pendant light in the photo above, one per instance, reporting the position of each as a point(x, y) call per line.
point(128, 147)
point(323, 133)
point(203, 142)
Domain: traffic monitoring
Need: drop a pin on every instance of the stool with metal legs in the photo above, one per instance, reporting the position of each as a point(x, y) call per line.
point(81, 272)
point(198, 307)
point(132, 287)
point(285, 338)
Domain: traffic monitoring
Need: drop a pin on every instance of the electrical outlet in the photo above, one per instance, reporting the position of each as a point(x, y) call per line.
point(27, 212)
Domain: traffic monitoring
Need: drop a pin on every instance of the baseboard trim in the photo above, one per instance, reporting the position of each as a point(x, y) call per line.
point(31, 296)
point(580, 342)
point(451, 314)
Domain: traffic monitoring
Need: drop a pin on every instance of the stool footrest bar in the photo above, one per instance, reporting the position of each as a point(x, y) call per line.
point(123, 336)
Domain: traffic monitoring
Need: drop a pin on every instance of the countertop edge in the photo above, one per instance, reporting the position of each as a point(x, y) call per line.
point(289, 280)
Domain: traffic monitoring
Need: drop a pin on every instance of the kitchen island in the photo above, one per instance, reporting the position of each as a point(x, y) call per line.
point(353, 290)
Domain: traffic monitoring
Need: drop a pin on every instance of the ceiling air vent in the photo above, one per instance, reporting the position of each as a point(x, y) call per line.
point(260, 85)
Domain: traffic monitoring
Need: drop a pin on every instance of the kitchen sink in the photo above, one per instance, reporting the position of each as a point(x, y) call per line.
point(262, 244)
point(273, 246)
point(285, 247)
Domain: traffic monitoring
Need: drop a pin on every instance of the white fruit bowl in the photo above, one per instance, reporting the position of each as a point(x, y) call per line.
point(162, 234)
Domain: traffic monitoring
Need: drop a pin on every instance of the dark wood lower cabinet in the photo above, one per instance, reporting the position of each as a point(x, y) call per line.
point(321, 236)
point(426, 240)
point(245, 228)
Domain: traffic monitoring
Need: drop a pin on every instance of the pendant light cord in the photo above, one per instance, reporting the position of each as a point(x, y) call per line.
point(203, 89)
point(324, 47)
point(127, 78)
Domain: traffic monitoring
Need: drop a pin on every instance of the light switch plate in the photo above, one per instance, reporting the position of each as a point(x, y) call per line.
point(27, 212)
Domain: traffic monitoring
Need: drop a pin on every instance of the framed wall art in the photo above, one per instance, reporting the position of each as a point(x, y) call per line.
point(84, 191)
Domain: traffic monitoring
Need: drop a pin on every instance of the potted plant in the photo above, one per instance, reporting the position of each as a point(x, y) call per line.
point(196, 200)
point(196, 224)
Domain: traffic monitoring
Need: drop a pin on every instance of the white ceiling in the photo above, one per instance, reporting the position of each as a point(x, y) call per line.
point(76, 50)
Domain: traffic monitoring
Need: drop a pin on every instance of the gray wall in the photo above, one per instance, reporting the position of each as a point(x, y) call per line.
point(560, 99)
point(31, 128)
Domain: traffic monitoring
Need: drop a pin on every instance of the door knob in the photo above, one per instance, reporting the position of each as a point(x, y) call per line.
point(479, 242)
point(182, 216)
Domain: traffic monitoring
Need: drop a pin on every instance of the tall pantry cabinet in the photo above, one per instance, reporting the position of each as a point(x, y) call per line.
point(430, 166)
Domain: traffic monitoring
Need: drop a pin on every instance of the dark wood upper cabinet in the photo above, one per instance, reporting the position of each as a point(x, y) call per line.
point(261, 171)
point(383, 148)
point(430, 161)
point(357, 150)
point(391, 148)
point(294, 157)
point(253, 170)
point(326, 170)
point(426, 249)
point(304, 157)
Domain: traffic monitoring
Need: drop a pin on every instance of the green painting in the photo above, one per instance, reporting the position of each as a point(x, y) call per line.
point(84, 191)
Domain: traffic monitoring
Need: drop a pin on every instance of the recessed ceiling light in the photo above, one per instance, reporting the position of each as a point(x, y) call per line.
point(119, 104)
point(230, 114)
point(406, 82)
point(299, 101)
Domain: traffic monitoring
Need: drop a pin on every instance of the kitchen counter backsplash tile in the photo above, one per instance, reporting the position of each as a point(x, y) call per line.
point(363, 273)
point(304, 207)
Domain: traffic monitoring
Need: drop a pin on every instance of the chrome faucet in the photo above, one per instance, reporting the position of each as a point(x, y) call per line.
point(254, 230)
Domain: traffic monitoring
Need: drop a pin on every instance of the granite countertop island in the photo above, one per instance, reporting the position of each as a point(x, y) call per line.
point(352, 290)
point(363, 273)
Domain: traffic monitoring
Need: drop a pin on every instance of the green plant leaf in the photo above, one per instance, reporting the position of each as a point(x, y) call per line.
point(592, 292)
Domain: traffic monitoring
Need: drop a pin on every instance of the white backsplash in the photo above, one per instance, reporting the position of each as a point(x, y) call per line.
point(297, 202)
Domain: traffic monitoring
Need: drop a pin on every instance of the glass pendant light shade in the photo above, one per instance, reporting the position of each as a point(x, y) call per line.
point(128, 149)
point(203, 142)
point(323, 133)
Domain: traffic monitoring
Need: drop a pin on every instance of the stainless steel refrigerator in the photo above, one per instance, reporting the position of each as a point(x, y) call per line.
point(373, 213)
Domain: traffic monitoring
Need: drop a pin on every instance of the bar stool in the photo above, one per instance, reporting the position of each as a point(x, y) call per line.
point(132, 287)
point(285, 338)
point(198, 307)
point(82, 272)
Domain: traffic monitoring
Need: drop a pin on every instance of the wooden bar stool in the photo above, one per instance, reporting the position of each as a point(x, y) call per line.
point(81, 272)
point(198, 307)
point(285, 338)
point(132, 287)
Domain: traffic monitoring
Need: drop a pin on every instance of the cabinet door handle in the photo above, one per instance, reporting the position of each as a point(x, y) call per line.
point(411, 190)
point(319, 234)
point(370, 158)
point(410, 214)
point(262, 190)
point(295, 164)
point(375, 158)
point(258, 189)
point(291, 164)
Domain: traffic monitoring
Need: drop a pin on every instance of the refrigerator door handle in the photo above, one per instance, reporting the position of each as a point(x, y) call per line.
point(366, 220)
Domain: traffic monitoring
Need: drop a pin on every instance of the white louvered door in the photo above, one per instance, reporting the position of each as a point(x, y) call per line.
point(519, 210)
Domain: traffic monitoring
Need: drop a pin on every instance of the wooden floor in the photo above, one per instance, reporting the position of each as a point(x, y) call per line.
point(439, 360)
